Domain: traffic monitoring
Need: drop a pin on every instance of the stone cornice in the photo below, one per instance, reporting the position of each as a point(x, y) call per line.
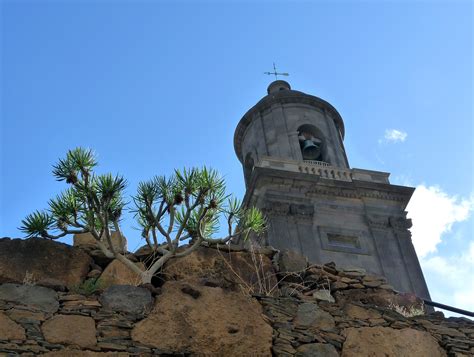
point(262, 177)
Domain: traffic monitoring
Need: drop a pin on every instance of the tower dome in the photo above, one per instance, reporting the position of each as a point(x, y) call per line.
point(290, 125)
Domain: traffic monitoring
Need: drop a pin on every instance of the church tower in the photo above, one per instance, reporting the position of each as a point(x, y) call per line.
point(291, 146)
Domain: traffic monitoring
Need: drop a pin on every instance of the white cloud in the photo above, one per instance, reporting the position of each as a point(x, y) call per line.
point(433, 213)
point(450, 278)
point(394, 136)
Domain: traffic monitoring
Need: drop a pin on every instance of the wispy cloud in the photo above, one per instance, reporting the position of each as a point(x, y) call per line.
point(434, 212)
point(394, 136)
point(451, 278)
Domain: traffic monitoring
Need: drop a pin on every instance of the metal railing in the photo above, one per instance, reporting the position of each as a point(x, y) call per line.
point(449, 308)
point(317, 163)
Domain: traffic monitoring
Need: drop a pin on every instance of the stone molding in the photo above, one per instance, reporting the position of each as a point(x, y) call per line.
point(377, 221)
point(400, 223)
point(276, 208)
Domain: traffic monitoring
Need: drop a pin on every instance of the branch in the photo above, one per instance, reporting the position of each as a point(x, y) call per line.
point(191, 249)
point(129, 264)
point(155, 240)
point(53, 237)
point(188, 214)
point(171, 223)
point(105, 250)
point(164, 233)
point(160, 262)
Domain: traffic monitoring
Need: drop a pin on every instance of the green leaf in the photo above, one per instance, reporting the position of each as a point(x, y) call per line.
point(83, 159)
point(109, 188)
point(65, 207)
point(254, 221)
point(77, 161)
point(37, 224)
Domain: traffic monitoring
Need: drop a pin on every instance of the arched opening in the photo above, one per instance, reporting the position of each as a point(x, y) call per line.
point(311, 143)
point(248, 167)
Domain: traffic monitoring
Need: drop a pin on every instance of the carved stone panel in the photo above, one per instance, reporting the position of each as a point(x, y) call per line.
point(344, 240)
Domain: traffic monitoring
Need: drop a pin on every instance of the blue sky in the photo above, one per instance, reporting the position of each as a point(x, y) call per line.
point(153, 85)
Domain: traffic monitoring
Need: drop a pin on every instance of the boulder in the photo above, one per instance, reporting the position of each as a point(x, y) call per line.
point(34, 297)
point(34, 260)
point(146, 254)
point(88, 242)
point(10, 330)
point(100, 259)
point(316, 350)
point(117, 273)
point(292, 262)
point(312, 317)
point(70, 330)
point(213, 267)
point(385, 341)
point(203, 320)
point(127, 299)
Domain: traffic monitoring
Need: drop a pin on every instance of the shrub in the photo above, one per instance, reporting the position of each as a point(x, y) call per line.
point(186, 206)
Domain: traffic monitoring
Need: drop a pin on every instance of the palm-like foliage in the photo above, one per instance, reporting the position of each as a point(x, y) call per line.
point(188, 205)
point(170, 210)
point(92, 203)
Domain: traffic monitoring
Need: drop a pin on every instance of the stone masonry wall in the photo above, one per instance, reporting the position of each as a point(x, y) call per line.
point(213, 303)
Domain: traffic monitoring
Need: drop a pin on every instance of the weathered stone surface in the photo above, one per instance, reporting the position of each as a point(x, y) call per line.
point(10, 330)
point(316, 350)
point(380, 297)
point(88, 242)
point(52, 283)
point(117, 273)
point(36, 297)
point(384, 341)
point(372, 283)
point(360, 313)
point(94, 274)
point(214, 267)
point(323, 295)
point(37, 259)
point(338, 285)
point(26, 316)
point(309, 315)
point(70, 330)
point(216, 322)
point(291, 262)
point(80, 353)
point(126, 298)
point(100, 259)
point(145, 253)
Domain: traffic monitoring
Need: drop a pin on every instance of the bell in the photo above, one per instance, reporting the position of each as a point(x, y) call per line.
point(311, 151)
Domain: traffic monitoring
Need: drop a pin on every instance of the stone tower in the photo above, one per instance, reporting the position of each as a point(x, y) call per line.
point(296, 170)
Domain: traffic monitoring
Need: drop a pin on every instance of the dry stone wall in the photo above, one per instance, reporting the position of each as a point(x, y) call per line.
point(215, 303)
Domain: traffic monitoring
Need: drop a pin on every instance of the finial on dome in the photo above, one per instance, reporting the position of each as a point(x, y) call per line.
point(277, 86)
point(275, 73)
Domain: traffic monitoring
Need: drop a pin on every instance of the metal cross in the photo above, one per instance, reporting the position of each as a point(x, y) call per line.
point(275, 73)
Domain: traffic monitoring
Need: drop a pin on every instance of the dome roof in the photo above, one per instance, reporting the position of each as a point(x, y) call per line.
point(280, 92)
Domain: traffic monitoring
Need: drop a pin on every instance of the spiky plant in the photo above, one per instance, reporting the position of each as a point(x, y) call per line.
point(185, 206)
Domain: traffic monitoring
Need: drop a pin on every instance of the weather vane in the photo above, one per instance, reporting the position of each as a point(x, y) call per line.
point(275, 73)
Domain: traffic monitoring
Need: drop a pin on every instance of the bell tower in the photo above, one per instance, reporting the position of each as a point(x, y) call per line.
point(291, 146)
